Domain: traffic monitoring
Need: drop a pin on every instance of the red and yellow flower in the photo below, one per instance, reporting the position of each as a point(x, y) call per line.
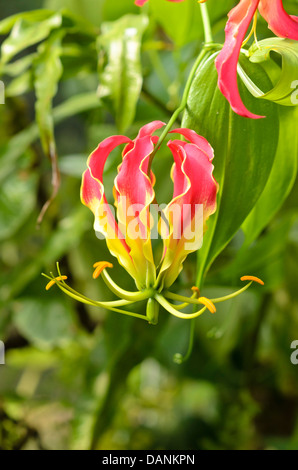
point(129, 239)
point(182, 223)
point(240, 17)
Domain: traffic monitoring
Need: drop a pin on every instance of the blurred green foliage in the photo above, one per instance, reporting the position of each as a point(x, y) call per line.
point(69, 366)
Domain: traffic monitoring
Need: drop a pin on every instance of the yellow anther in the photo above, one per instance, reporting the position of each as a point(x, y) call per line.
point(208, 303)
point(252, 278)
point(99, 267)
point(53, 281)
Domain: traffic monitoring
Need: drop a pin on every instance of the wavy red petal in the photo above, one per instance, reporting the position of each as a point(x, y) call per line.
point(196, 139)
point(150, 128)
point(194, 189)
point(99, 157)
point(282, 24)
point(226, 63)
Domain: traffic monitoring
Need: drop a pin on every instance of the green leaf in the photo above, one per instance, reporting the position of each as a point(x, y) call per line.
point(45, 322)
point(35, 16)
point(265, 258)
point(284, 91)
point(13, 150)
point(87, 10)
point(183, 22)
point(121, 78)
point(20, 85)
point(114, 10)
point(75, 105)
point(19, 66)
point(244, 152)
point(282, 177)
point(186, 17)
point(64, 238)
point(17, 200)
point(47, 72)
point(26, 33)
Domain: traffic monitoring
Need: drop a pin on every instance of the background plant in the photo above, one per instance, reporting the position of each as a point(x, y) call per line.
point(65, 92)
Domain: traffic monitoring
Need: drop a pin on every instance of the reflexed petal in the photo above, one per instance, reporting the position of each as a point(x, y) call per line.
point(98, 158)
point(194, 195)
point(150, 128)
point(134, 193)
point(226, 63)
point(196, 139)
point(278, 20)
point(92, 195)
point(146, 130)
point(194, 200)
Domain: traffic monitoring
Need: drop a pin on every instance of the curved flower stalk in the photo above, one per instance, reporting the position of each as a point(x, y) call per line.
point(181, 224)
point(240, 17)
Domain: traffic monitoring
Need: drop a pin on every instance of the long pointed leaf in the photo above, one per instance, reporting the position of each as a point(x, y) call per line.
point(244, 153)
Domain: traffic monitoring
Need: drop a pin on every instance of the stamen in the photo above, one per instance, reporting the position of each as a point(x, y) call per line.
point(99, 267)
point(124, 294)
point(208, 303)
point(252, 278)
point(173, 311)
point(195, 295)
point(253, 31)
point(59, 281)
point(53, 281)
point(191, 300)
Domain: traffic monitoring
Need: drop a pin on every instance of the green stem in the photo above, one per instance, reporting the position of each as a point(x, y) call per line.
point(178, 358)
point(206, 23)
point(181, 107)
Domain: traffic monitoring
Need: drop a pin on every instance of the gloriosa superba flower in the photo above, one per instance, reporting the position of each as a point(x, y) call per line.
point(279, 21)
point(239, 19)
point(181, 224)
